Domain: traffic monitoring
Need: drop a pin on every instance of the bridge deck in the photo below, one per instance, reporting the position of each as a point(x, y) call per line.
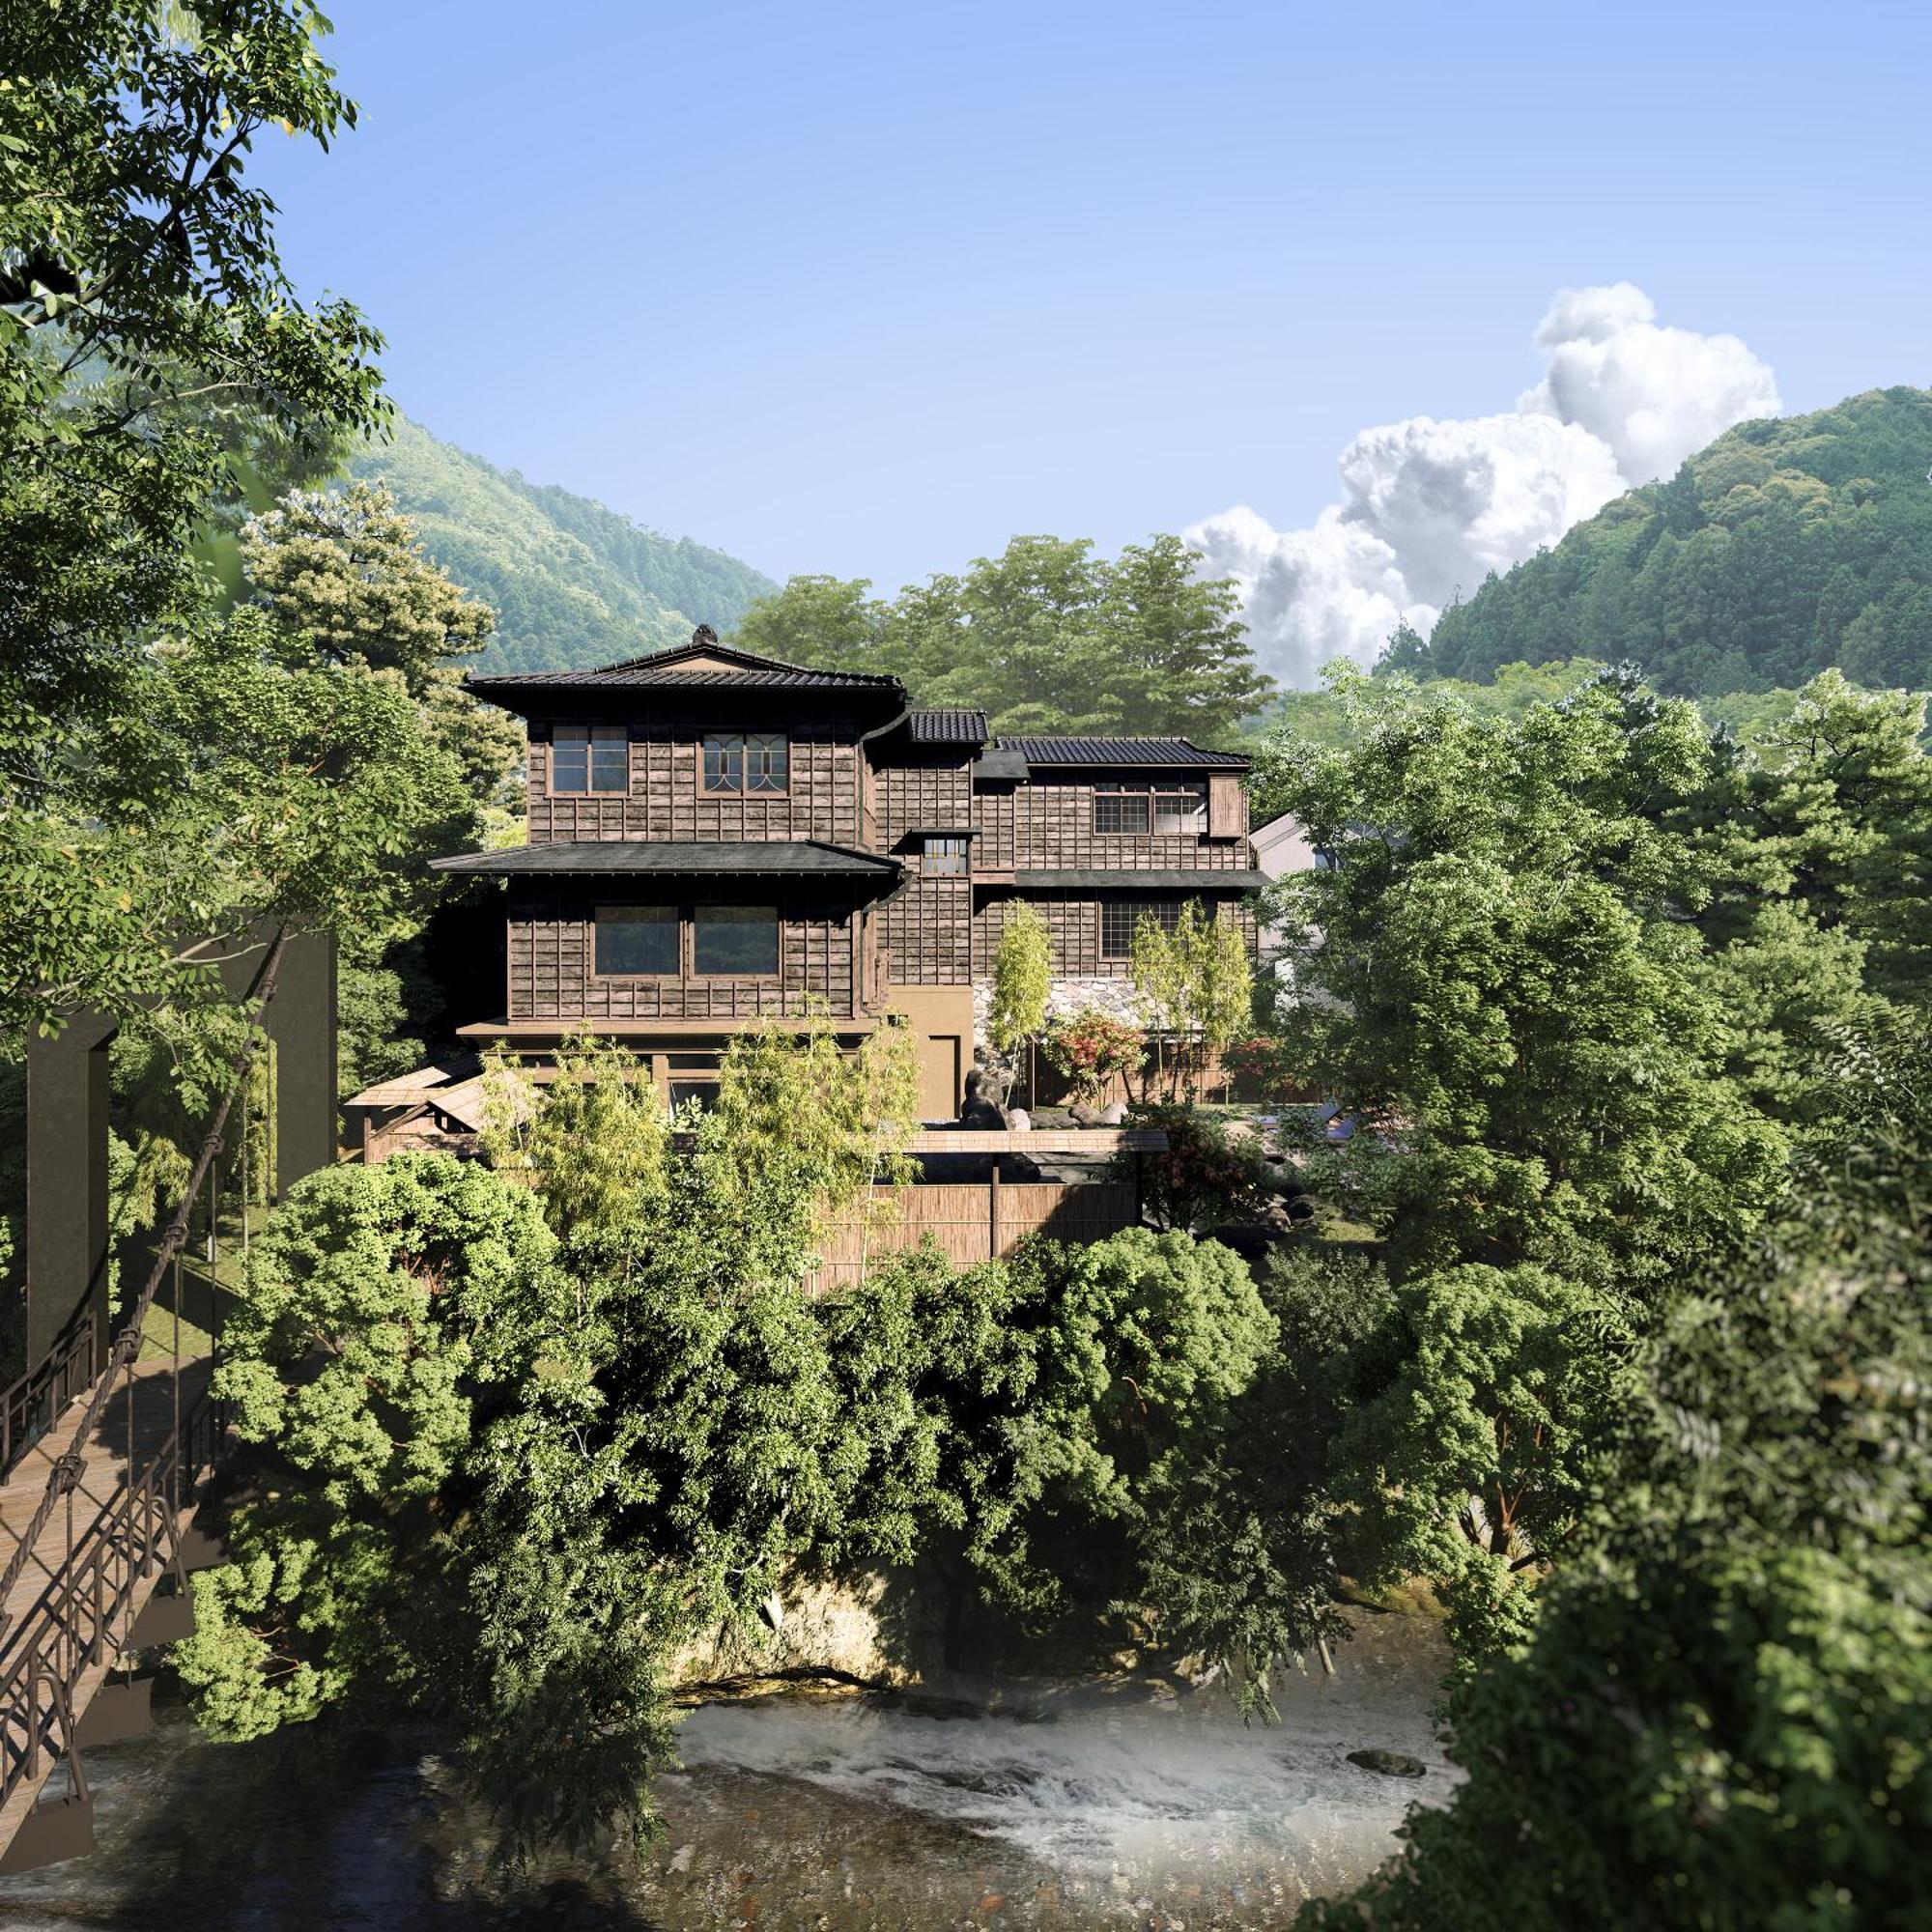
point(157, 1408)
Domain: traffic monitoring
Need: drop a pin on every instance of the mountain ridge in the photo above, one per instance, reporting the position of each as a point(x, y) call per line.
point(1788, 545)
point(573, 583)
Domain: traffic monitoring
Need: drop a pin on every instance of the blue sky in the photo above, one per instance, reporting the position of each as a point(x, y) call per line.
point(868, 289)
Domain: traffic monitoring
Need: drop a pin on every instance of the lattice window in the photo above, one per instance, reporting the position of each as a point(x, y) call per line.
point(1120, 919)
point(747, 761)
point(589, 757)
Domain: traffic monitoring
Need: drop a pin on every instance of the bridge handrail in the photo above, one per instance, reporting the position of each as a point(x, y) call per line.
point(73, 1625)
point(67, 1467)
point(30, 1404)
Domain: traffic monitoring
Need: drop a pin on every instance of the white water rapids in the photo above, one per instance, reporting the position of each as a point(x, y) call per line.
point(1014, 1804)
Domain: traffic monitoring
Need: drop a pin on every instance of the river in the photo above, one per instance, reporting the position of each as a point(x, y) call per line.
point(1000, 1804)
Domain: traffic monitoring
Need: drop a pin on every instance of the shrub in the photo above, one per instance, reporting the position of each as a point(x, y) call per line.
point(1089, 1047)
point(1208, 1174)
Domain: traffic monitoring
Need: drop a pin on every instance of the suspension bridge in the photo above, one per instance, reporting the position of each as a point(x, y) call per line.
point(109, 1439)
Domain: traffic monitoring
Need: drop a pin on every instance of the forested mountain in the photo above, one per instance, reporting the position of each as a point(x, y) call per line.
point(1789, 545)
point(572, 583)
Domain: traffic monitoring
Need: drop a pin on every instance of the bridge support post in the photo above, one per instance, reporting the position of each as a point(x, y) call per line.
point(301, 1019)
point(66, 1182)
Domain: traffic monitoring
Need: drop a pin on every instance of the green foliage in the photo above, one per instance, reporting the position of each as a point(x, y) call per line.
point(1022, 978)
point(1786, 548)
point(1570, 972)
point(146, 327)
point(1719, 1720)
point(1243, 1536)
point(1195, 983)
point(348, 582)
point(379, 1307)
point(1045, 636)
point(1074, 1380)
point(572, 584)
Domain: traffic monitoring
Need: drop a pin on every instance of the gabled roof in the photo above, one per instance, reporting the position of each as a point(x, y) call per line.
point(950, 725)
point(1180, 753)
point(685, 858)
point(703, 662)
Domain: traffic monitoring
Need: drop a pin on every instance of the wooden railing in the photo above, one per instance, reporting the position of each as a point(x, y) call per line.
point(30, 1404)
point(85, 1616)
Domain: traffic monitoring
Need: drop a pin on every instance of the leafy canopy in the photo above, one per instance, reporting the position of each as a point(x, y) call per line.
point(1045, 636)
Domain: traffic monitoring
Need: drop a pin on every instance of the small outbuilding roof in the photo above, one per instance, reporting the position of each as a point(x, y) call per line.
point(950, 725)
point(1178, 753)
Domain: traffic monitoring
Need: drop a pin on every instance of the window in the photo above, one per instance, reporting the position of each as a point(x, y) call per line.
point(735, 940)
point(747, 761)
point(1118, 810)
point(1119, 918)
point(1173, 809)
point(589, 757)
point(944, 858)
point(635, 942)
point(1180, 811)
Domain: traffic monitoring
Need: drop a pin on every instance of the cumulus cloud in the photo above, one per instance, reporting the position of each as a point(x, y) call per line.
point(1429, 506)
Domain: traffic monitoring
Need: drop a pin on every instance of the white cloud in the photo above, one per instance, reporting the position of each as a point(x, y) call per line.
point(1430, 508)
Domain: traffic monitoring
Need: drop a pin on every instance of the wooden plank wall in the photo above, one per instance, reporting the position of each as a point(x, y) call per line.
point(959, 1217)
point(665, 799)
point(1049, 827)
point(550, 973)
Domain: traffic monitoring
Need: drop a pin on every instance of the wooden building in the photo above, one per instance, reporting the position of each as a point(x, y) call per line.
point(715, 836)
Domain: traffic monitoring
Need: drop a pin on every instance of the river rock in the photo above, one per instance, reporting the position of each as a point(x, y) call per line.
point(1391, 1764)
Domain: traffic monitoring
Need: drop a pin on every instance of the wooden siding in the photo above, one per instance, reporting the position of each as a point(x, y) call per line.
point(935, 792)
point(1052, 830)
point(972, 1222)
point(929, 931)
point(550, 977)
point(665, 799)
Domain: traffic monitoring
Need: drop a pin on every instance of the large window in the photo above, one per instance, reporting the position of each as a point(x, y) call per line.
point(1120, 919)
point(589, 757)
point(734, 940)
point(1183, 810)
point(1118, 810)
point(1137, 810)
point(747, 761)
point(635, 942)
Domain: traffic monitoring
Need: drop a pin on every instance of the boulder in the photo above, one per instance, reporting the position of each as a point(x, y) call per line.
point(1389, 1763)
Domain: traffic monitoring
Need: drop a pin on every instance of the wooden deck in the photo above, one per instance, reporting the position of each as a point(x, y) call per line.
point(92, 1568)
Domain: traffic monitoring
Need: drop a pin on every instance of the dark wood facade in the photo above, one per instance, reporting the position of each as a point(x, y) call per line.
point(888, 843)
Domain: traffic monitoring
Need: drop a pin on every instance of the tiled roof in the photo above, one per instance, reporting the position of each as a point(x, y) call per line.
point(1175, 752)
point(717, 665)
point(953, 724)
point(678, 857)
point(1206, 879)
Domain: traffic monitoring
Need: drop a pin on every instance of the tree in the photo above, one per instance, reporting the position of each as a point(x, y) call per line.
point(145, 320)
point(1719, 1720)
point(1510, 973)
point(1092, 1049)
point(1195, 983)
point(1022, 979)
point(348, 582)
point(1045, 636)
point(149, 343)
point(1182, 668)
